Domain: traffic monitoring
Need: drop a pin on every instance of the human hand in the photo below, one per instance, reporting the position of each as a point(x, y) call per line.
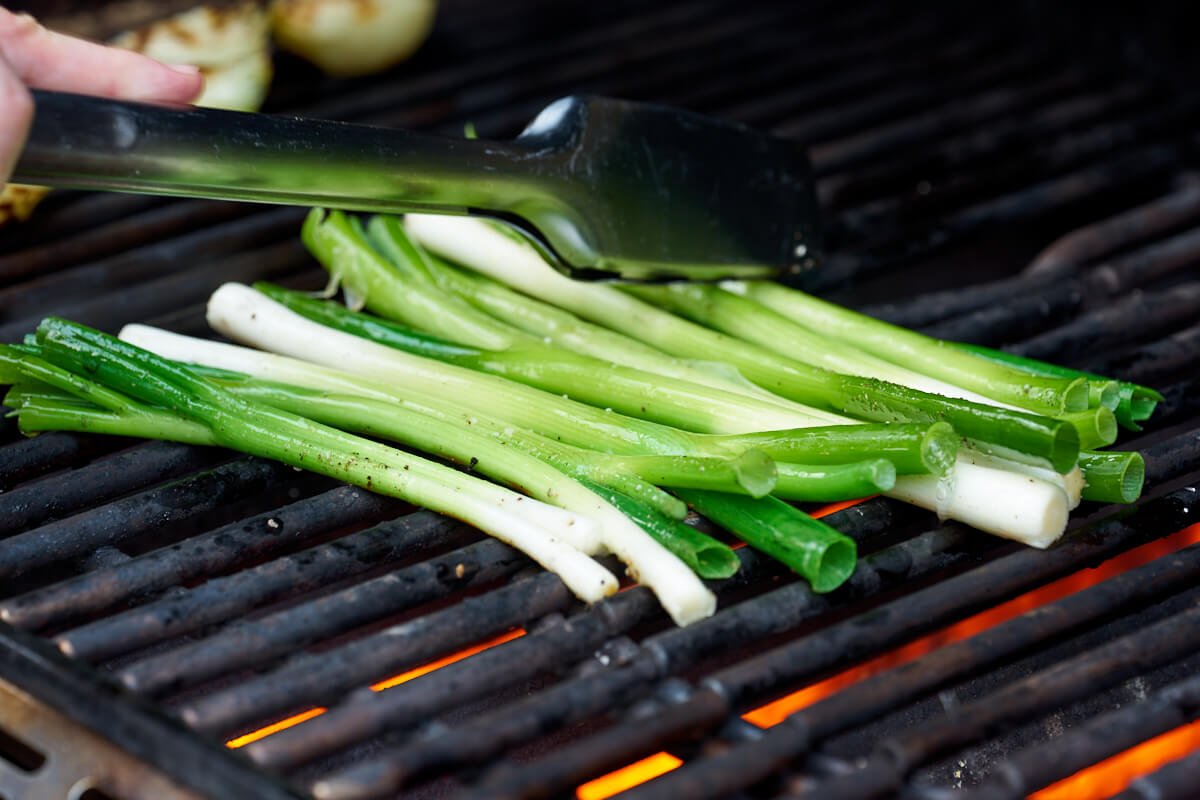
point(33, 57)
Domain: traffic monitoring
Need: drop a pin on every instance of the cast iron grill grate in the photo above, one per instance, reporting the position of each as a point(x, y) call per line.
point(172, 598)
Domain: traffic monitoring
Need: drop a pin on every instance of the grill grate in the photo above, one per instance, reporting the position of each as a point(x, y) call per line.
point(171, 598)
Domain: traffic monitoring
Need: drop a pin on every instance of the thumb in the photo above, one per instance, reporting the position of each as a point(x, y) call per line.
point(16, 113)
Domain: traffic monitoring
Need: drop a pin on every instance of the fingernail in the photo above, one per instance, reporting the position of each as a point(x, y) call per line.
point(185, 69)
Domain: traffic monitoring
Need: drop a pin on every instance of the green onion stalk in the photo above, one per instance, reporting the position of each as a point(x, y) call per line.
point(752, 472)
point(813, 549)
point(568, 372)
point(708, 558)
point(548, 323)
point(1113, 476)
point(41, 406)
point(572, 433)
point(1040, 394)
point(1000, 430)
point(544, 532)
point(754, 322)
point(499, 349)
point(422, 422)
point(1135, 403)
point(248, 316)
point(499, 256)
point(732, 314)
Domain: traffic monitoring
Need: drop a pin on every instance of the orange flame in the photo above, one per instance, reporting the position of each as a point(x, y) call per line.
point(627, 777)
point(775, 712)
point(1113, 774)
point(1098, 781)
point(395, 680)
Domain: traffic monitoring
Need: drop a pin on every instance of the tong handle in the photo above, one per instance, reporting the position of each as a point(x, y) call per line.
point(96, 143)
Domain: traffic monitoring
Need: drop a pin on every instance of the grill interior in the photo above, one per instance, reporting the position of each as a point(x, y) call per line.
point(978, 182)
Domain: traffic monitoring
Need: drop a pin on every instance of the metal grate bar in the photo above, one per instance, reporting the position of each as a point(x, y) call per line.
point(100, 481)
point(200, 556)
point(654, 660)
point(193, 285)
point(326, 676)
point(968, 66)
point(995, 107)
point(332, 673)
point(1138, 317)
point(504, 63)
point(1165, 358)
point(1041, 299)
point(1100, 738)
point(27, 302)
point(156, 223)
point(1068, 681)
point(257, 641)
point(220, 599)
point(28, 458)
point(159, 509)
point(549, 648)
point(1125, 171)
point(936, 196)
point(1045, 139)
point(760, 678)
point(747, 764)
point(767, 614)
point(84, 697)
point(68, 213)
point(1067, 255)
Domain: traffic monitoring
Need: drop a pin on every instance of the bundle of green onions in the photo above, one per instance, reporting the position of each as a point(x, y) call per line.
point(605, 410)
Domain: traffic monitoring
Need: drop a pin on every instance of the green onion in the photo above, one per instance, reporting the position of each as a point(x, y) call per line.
point(372, 279)
point(515, 454)
point(48, 397)
point(708, 557)
point(553, 325)
point(1133, 403)
point(1040, 394)
point(912, 448)
point(629, 391)
point(1112, 476)
point(983, 497)
point(482, 249)
point(263, 430)
point(831, 482)
point(811, 548)
point(753, 322)
point(538, 529)
point(1097, 427)
point(249, 316)
point(693, 407)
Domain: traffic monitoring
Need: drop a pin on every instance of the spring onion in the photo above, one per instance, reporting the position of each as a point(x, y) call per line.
point(466, 438)
point(542, 531)
point(1040, 394)
point(1112, 476)
point(482, 248)
point(548, 323)
point(808, 546)
point(1096, 427)
point(912, 448)
point(1134, 403)
point(707, 557)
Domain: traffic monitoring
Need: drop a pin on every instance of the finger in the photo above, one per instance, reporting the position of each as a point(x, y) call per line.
point(48, 60)
point(16, 111)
